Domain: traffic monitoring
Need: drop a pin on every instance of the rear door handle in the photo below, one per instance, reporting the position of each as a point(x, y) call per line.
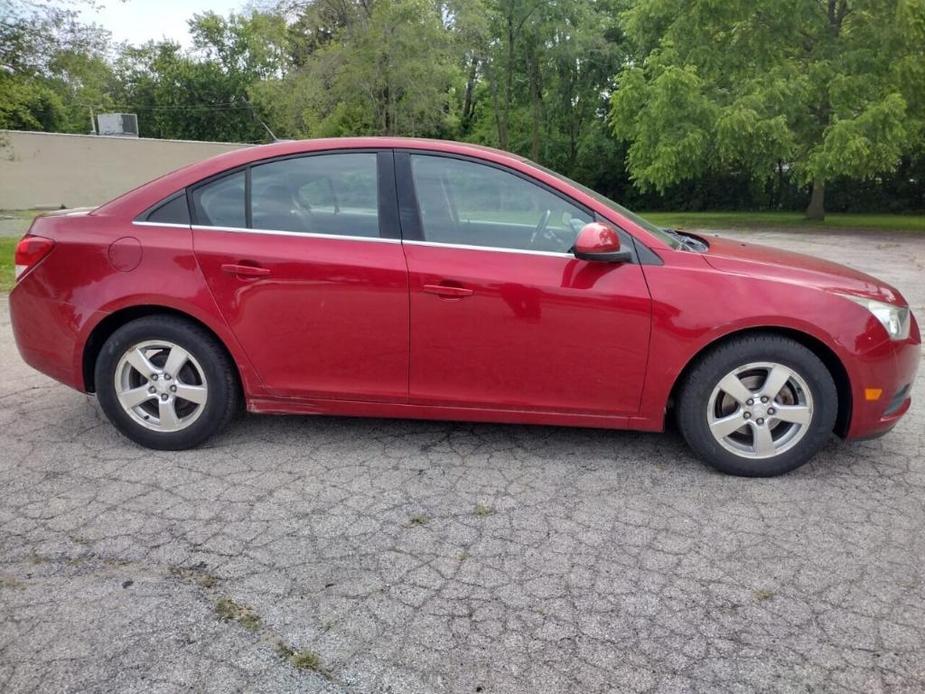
point(447, 291)
point(245, 270)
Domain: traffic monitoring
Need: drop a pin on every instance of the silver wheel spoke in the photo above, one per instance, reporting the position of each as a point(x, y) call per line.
point(732, 386)
point(134, 397)
point(726, 425)
point(167, 415)
point(195, 394)
point(140, 363)
point(796, 414)
point(176, 360)
point(777, 379)
point(764, 443)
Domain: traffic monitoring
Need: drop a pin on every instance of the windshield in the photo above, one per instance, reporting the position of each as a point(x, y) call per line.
point(670, 239)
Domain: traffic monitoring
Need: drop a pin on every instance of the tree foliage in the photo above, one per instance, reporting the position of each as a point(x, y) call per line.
point(715, 103)
point(376, 68)
point(825, 88)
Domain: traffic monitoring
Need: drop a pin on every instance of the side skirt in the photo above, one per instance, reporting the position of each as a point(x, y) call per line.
point(352, 408)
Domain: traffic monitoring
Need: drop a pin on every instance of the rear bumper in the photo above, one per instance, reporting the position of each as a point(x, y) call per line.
point(890, 368)
point(48, 335)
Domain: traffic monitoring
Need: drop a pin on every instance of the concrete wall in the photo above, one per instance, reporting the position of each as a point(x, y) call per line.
point(53, 169)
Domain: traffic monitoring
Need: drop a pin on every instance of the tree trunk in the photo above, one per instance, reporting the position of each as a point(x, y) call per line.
point(536, 103)
point(469, 102)
point(508, 85)
point(493, 84)
point(816, 209)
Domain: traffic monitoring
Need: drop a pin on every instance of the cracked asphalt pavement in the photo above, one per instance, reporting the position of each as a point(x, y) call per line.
point(350, 555)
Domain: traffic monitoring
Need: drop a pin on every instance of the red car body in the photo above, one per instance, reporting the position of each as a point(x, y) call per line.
point(400, 328)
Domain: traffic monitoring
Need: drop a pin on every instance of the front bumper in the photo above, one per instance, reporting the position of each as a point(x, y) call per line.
point(890, 368)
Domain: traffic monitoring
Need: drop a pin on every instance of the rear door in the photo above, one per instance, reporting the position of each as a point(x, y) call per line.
point(303, 256)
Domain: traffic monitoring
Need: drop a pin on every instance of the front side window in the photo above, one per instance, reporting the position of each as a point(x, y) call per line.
point(220, 203)
point(320, 194)
point(463, 202)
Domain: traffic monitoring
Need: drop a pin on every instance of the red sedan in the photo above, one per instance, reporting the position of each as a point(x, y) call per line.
point(412, 278)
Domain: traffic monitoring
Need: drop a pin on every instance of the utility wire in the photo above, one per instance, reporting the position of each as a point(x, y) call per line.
point(202, 107)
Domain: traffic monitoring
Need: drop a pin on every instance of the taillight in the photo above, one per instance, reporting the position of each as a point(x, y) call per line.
point(29, 251)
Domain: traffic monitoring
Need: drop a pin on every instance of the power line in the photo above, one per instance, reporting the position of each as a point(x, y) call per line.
point(201, 107)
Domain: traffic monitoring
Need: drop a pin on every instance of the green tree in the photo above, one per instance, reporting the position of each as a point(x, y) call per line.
point(388, 68)
point(180, 96)
point(52, 66)
point(202, 94)
point(825, 88)
point(545, 70)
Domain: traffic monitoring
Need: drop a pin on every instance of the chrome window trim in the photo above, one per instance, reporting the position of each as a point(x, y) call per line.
point(375, 239)
point(160, 224)
point(298, 234)
point(496, 249)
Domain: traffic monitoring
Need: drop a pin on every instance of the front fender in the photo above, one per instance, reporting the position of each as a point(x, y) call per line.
point(695, 306)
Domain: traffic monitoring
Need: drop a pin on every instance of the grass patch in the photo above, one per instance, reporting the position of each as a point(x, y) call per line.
point(762, 595)
point(739, 220)
point(304, 659)
point(195, 574)
point(7, 249)
point(418, 519)
point(283, 650)
point(483, 510)
point(20, 214)
point(11, 583)
point(230, 611)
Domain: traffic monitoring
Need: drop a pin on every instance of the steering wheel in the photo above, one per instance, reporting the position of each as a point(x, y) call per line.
point(541, 226)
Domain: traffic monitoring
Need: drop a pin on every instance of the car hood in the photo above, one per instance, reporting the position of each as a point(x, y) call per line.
point(753, 260)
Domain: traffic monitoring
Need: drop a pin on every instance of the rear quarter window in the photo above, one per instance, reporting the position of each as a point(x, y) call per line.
point(173, 210)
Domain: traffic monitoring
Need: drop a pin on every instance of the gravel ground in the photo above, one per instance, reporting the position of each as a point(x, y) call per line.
point(316, 554)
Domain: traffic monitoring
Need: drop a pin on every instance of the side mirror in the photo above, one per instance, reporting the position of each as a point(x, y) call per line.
point(601, 243)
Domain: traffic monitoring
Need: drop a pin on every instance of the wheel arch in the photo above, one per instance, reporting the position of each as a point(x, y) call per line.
point(115, 320)
point(825, 353)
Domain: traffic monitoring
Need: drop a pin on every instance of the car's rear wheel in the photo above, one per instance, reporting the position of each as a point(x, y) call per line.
point(166, 383)
point(758, 406)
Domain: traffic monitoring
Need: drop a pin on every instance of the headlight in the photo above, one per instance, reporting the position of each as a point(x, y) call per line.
point(894, 319)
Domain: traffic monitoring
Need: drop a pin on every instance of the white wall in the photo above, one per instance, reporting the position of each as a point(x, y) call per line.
point(54, 169)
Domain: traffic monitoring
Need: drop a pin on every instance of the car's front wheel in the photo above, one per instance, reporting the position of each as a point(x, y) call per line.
point(166, 383)
point(758, 406)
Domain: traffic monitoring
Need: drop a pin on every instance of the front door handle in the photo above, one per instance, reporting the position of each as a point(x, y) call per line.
point(447, 291)
point(245, 270)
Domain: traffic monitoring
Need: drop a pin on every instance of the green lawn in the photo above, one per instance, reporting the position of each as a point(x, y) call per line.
point(21, 214)
point(738, 220)
point(7, 247)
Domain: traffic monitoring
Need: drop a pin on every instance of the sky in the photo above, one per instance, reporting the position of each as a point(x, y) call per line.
point(137, 21)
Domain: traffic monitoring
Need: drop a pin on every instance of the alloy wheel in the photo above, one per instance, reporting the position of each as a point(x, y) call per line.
point(760, 410)
point(161, 386)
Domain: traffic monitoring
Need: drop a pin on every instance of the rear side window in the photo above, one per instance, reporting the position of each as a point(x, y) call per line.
point(174, 210)
point(333, 194)
point(221, 203)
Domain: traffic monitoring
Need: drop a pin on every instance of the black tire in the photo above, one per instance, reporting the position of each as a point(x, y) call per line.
point(224, 393)
point(695, 393)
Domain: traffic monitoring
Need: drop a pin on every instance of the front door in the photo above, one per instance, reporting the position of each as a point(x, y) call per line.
point(303, 257)
point(503, 316)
